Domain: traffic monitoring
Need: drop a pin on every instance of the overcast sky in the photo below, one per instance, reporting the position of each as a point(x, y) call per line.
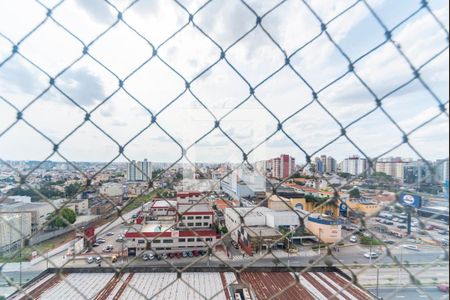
point(126, 54)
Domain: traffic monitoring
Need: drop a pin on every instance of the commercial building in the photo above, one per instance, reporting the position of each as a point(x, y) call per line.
point(244, 183)
point(164, 238)
point(282, 167)
point(14, 227)
point(365, 207)
point(245, 222)
point(171, 226)
point(285, 201)
point(139, 170)
point(79, 206)
point(326, 228)
point(40, 211)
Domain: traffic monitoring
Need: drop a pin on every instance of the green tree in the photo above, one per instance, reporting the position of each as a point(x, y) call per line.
point(66, 215)
point(355, 193)
point(72, 189)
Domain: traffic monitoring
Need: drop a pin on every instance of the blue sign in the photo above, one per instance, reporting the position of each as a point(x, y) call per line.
point(343, 210)
point(411, 200)
point(299, 206)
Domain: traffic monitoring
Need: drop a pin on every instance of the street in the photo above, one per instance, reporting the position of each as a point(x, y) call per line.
point(410, 293)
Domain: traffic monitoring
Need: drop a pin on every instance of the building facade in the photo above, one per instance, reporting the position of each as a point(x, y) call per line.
point(139, 170)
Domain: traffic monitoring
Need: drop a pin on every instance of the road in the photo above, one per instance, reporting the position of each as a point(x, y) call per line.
point(410, 293)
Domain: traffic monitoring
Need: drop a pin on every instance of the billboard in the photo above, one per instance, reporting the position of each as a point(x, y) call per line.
point(343, 210)
point(411, 200)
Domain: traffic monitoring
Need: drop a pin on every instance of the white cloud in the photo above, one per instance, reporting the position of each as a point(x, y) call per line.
point(155, 85)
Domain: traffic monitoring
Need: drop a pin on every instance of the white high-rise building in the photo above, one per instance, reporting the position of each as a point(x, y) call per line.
point(354, 165)
point(139, 170)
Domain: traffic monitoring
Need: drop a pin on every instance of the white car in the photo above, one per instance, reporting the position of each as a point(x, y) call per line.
point(353, 239)
point(109, 234)
point(371, 255)
point(90, 260)
point(411, 247)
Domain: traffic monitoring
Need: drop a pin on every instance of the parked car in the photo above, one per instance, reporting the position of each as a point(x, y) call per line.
point(158, 256)
point(178, 255)
point(235, 244)
point(120, 240)
point(402, 227)
point(100, 241)
point(164, 256)
point(190, 254)
point(171, 255)
point(372, 255)
point(98, 259)
point(411, 247)
point(95, 245)
point(196, 253)
point(443, 232)
point(109, 234)
point(184, 254)
point(353, 239)
point(389, 242)
point(395, 219)
point(90, 260)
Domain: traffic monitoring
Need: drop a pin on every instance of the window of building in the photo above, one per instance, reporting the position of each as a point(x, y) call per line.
point(190, 224)
point(198, 217)
point(156, 241)
point(205, 224)
point(167, 241)
point(141, 241)
point(191, 240)
point(190, 218)
point(206, 217)
point(182, 240)
point(198, 224)
point(208, 239)
point(199, 239)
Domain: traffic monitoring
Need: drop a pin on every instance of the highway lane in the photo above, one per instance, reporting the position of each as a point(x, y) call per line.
point(410, 293)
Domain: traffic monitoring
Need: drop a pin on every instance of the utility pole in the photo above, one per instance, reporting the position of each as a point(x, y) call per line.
point(378, 281)
point(20, 258)
point(320, 230)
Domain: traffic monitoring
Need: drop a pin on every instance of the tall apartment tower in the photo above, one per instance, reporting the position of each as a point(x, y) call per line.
point(354, 165)
point(331, 165)
point(139, 170)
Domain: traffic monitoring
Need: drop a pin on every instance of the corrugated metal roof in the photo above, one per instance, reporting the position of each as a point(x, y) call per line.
point(193, 286)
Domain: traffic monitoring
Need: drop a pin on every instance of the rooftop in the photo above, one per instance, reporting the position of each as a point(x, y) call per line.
point(261, 231)
point(191, 285)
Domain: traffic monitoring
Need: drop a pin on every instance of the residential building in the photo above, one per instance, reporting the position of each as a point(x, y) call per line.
point(139, 171)
point(392, 166)
point(331, 165)
point(355, 165)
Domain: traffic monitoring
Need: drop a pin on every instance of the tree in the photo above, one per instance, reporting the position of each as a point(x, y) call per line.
point(355, 193)
point(345, 175)
point(72, 189)
point(66, 215)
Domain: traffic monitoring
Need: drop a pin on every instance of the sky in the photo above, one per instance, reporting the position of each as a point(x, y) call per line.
point(220, 88)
